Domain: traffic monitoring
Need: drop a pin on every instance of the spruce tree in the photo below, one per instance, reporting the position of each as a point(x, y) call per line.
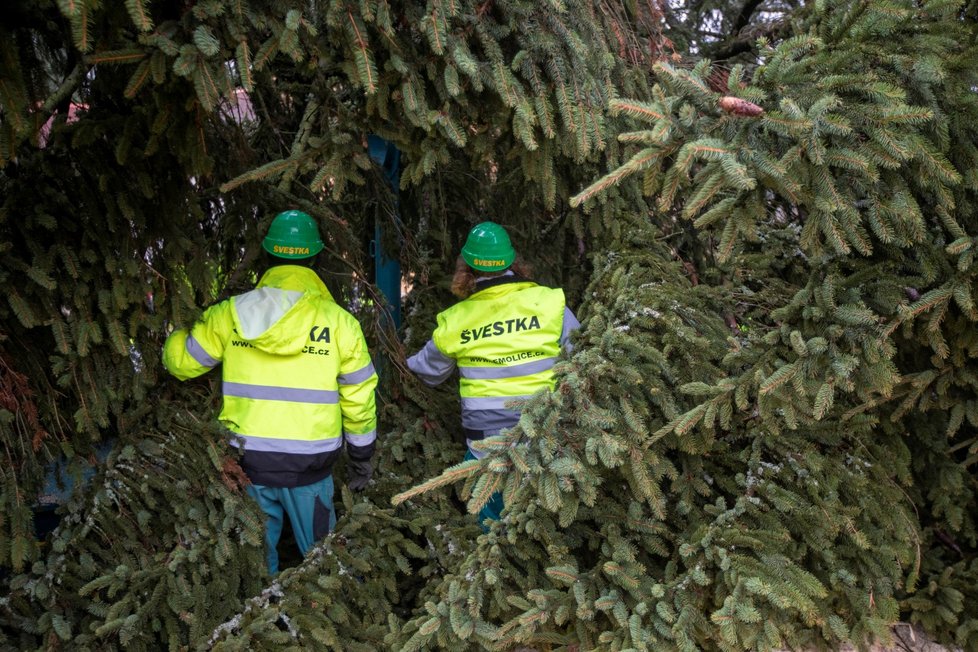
point(799, 492)
point(144, 148)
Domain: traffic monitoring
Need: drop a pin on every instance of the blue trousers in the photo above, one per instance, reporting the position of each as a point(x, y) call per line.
point(310, 511)
point(493, 509)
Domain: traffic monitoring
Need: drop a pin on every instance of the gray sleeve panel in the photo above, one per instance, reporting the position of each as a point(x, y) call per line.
point(360, 453)
point(570, 325)
point(431, 365)
point(489, 419)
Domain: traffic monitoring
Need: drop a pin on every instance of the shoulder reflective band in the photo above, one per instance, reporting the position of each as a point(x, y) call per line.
point(198, 353)
point(356, 377)
point(363, 439)
point(294, 446)
point(489, 402)
point(525, 369)
point(273, 393)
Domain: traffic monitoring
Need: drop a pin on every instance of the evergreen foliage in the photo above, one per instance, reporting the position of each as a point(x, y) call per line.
point(652, 505)
point(161, 548)
point(765, 437)
point(815, 529)
point(137, 179)
point(346, 596)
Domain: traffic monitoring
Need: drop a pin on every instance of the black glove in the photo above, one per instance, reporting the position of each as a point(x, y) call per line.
point(359, 472)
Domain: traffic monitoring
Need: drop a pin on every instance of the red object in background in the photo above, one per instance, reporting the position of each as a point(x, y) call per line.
point(73, 114)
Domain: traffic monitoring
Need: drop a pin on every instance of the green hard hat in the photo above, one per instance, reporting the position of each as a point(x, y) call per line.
point(294, 235)
point(488, 248)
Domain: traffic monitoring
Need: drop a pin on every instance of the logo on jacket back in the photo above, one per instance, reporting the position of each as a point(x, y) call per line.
point(239, 342)
point(317, 334)
point(498, 328)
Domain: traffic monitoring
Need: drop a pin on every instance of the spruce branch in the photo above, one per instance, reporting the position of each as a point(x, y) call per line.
point(638, 162)
point(365, 64)
point(266, 171)
point(115, 57)
point(637, 109)
point(449, 476)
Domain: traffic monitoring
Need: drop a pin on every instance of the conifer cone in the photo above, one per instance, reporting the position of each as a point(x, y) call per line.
point(737, 106)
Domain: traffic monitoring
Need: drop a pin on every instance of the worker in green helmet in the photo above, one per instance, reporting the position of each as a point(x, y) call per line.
point(503, 337)
point(298, 384)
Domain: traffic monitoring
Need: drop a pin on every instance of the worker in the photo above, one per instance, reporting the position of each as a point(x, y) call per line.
point(504, 337)
point(297, 382)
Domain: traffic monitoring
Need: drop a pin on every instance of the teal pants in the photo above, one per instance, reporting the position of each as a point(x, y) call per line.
point(310, 511)
point(493, 509)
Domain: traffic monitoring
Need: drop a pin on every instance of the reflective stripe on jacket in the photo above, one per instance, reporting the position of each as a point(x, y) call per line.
point(297, 376)
point(505, 339)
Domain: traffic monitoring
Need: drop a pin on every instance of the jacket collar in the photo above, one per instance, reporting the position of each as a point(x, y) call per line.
point(485, 283)
point(294, 277)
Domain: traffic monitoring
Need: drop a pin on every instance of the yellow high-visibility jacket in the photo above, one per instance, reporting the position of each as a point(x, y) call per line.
point(504, 340)
point(297, 376)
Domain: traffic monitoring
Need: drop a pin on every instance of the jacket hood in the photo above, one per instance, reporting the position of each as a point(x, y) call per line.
point(277, 315)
